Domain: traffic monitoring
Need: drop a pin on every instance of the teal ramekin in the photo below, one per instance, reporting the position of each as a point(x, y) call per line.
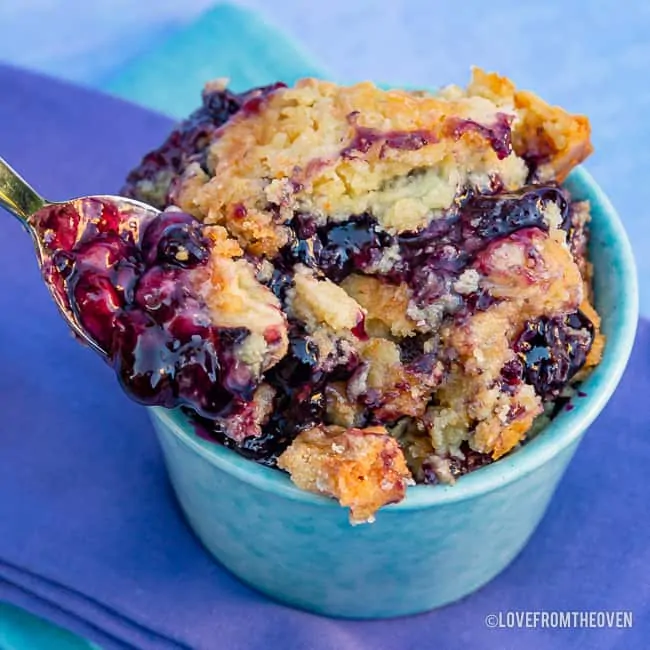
point(440, 543)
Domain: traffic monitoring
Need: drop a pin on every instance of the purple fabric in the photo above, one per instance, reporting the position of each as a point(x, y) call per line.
point(90, 534)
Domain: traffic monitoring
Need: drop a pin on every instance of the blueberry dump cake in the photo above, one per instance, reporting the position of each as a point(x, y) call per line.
point(366, 289)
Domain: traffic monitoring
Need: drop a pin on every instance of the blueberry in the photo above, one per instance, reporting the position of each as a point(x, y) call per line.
point(160, 292)
point(491, 217)
point(551, 351)
point(199, 377)
point(58, 225)
point(143, 362)
point(175, 238)
point(103, 252)
point(220, 105)
point(96, 304)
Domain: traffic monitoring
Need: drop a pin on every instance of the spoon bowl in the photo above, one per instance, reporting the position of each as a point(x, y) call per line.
point(129, 280)
point(23, 202)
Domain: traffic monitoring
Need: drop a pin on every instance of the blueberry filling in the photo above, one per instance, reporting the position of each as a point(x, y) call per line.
point(366, 137)
point(431, 259)
point(299, 403)
point(434, 258)
point(299, 380)
point(155, 177)
point(498, 134)
point(128, 284)
point(125, 279)
point(335, 249)
point(550, 351)
point(488, 217)
point(264, 449)
point(300, 385)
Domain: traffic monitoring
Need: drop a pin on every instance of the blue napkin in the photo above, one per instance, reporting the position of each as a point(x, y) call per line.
point(226, 41)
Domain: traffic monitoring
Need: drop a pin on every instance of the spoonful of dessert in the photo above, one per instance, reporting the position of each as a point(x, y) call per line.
point(86, 233)
point(151, 292)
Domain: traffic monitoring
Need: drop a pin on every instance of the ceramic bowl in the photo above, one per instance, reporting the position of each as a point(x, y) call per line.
point(440, 543)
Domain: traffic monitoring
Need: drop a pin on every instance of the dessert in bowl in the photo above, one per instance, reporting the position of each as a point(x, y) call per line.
point(350, 292)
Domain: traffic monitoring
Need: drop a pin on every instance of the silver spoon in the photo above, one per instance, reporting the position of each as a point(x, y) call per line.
point(21, 200)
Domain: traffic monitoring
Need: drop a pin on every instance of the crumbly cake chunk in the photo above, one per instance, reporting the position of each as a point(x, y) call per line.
point(363, 468)
point(538, 277)
point(390, 387)
point(318, 302)
point(409, 271)
point(237, 300)
point(550, 140)
point(386, 305)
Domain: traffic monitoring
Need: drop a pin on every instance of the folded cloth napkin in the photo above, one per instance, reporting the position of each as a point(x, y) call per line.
point(226, 41)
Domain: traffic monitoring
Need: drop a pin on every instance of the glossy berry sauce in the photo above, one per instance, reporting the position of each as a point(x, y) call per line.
point(335, 249)
point(126, 278)
point(431, 260)
point(551, 351)
point(498, 135)
point(299, 382)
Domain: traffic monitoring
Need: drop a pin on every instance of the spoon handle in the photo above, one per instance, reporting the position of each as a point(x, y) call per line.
point(16, 195)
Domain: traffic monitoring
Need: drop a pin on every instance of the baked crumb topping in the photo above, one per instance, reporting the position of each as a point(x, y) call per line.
point(363, 468)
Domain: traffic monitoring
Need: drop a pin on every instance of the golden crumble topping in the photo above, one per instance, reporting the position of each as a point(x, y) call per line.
point(321, 303)
point(386, 305)
point(363, 468)
point(555, 140)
